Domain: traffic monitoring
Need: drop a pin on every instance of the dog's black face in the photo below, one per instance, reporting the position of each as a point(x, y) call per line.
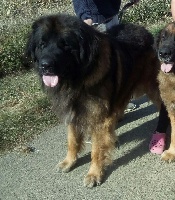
point(51, 54)
point(61, 53)
point(165, 46)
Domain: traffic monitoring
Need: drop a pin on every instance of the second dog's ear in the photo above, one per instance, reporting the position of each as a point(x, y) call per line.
point(157, 40)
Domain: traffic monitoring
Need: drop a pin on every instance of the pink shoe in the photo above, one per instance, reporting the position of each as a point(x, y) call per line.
point(157, 143)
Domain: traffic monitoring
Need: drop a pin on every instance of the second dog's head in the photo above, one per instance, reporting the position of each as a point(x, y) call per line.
point(165, 47)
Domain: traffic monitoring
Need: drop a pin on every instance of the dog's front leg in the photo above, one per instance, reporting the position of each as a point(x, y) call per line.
point(103, 142)
point(169, 155)
point(74, 146)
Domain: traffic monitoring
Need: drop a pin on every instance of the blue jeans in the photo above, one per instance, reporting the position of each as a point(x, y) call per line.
point(114, 21)
point(106, 26)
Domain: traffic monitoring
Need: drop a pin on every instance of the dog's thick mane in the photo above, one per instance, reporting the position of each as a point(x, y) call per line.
point(95, 55)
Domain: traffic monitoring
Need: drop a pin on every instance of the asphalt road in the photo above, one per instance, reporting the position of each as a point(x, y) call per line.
point(136, 174)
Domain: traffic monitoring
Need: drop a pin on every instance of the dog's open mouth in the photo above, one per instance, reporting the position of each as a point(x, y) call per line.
point(50, 81)
point(167, 67)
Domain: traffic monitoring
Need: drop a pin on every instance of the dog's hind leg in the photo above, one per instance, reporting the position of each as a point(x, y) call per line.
point(103, 142)
point(169, 155)
point(75, 143)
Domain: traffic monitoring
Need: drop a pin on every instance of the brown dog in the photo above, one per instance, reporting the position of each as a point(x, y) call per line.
point(165, 46)
point(90, 77)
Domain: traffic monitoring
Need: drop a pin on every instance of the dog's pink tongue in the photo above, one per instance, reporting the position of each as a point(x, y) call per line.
point(166, 67)
point(50, 81)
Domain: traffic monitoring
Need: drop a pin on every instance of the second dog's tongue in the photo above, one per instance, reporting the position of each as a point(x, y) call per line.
point(166, 67)
point(50, 81)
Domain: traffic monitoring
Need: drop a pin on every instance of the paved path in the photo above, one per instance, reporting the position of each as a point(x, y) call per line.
point(135, 174)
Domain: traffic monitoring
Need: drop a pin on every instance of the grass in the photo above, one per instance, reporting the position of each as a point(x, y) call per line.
point(25, 110)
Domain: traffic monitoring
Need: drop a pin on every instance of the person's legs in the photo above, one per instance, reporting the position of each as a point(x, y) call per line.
point(157, 143)
point(103, 27)
point(163, 121)
point(114, 21)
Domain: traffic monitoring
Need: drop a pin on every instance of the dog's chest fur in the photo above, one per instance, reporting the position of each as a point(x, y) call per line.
point(167, 84)
point(78, 107)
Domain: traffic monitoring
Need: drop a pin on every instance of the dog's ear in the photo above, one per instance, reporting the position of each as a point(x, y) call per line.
point(89, 43)
point(157, 38)
point(27, 57)
point(31, 44)
point(33, 37)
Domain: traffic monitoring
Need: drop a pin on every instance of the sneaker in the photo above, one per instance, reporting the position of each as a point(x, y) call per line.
point(130, 107)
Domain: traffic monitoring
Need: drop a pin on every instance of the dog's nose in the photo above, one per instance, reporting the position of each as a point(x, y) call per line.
point(165, 53)
point(46, 66)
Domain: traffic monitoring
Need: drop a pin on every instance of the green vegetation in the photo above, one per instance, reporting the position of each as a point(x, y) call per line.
point(12, 48)
point(25, 110)
point(149, 12)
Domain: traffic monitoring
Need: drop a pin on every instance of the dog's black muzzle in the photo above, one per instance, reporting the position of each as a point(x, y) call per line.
point(46, 66)
point(166, 53)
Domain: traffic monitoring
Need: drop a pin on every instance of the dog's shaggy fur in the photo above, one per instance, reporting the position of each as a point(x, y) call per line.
point(165, 46)
point(90, 77)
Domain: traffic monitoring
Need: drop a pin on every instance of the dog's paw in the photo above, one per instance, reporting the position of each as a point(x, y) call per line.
point(92, 180)
point(66, 165)
point(168, 155)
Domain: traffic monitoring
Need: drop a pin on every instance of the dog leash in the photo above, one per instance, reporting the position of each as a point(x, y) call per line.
point(125, 7)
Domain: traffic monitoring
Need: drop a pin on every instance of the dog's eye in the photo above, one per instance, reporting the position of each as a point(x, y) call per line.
point(63, 45)
point(163, 37)
point(67, 47)
point(42, 45)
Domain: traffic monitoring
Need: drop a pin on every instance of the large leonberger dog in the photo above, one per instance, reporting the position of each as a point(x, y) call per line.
point(90, 77)
point(165, 46)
